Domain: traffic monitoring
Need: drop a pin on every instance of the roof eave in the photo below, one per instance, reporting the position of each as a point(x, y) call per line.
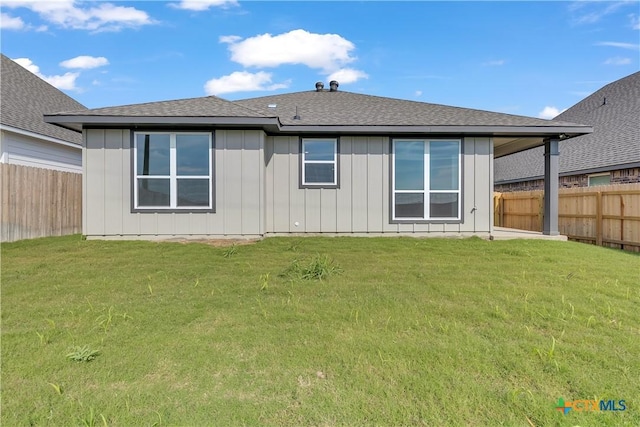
point(77, 122)
point(542, 131)
point(273, 125)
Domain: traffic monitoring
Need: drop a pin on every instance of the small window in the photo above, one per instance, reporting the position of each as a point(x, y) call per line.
point(600, 179)
point(173, 171)
point(319, 159)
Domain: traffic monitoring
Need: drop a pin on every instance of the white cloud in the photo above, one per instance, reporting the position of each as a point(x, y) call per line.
point(229, 39)
point(200, 5)
point(630, 46)
point(96, 18)
point(549, 112)
point(617, 61)
point(635, 22)
point(10, 23)
point(85, 62)
point(347, 75)
point(28, 64)
point(590, 12)
point(67, 81)
point(242, 81)
point(495, 63)
point(328, 52)
point(418, 93)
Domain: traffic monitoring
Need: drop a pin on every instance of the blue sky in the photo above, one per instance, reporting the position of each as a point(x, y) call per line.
point(527, 58)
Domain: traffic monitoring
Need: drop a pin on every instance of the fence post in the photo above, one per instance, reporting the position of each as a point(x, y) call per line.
point(621, 221)
point(540, 212)
point(599, 220)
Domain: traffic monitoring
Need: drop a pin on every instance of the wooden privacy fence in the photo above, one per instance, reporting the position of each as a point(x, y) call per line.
point(605, 215)
point(39, 202)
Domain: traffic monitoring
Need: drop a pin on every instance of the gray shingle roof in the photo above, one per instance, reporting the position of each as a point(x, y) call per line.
point(208, 106)
point(25, 97)
point(341, 108)
point(615, 139)
point(323, 108)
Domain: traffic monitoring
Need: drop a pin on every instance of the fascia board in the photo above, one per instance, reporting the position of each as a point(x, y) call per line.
point(476, 130)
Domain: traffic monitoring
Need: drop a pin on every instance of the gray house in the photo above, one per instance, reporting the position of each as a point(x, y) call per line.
point(320, 161)
point(25, 139)
point(609, 155)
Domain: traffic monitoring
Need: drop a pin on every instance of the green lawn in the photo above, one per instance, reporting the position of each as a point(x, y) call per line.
point(405, 332)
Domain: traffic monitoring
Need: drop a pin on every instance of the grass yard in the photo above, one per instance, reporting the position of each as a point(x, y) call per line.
point(403, 332)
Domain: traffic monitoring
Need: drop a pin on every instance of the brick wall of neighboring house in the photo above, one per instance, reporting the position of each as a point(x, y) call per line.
point(621, 176)
point(625, 176)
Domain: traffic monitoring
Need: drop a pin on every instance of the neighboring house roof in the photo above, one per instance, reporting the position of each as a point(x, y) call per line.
point(25, 97)
point(614, 113)
point(330, 112)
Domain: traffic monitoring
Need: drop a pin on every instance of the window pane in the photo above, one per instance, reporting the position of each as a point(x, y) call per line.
point(409, 205)
point(153, 192)
point(319, 173)
point(193, 192)
point(192, 154)
point(599, 180)
point(409, 165)
point(443, 205)
point(444, 165)
point(319, 150)
point(153, 154)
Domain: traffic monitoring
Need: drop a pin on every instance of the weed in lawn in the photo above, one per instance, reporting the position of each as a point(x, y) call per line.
point(82, 354)
point(91, 421)
point(56, 387)
point(264, 282)
point(294, 246)
point(159, 422)
point(516, 394)
point(104, 321)
point(318, 268)
point(230, 251)
point(44, 338)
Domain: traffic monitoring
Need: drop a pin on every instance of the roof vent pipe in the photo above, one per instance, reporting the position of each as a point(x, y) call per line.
point(319, 86)
point(333, 86)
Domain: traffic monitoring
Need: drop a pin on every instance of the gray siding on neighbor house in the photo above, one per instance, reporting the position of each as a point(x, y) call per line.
point(25, 150)
point(238, 189)
point(361, 204)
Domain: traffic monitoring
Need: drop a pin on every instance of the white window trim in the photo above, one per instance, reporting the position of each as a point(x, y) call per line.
point(173, 175)
point(305, 162)
point(426, 192)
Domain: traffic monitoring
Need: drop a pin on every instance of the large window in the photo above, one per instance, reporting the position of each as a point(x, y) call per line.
point(319, 162)
point(426, 179)
point(173, 171)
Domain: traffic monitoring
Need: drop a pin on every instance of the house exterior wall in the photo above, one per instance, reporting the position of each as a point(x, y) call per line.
point(257, 190)
point(26, 150)
point(238, 190)
point(361, 203)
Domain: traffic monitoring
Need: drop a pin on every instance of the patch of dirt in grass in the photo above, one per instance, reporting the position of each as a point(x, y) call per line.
point(218, 243)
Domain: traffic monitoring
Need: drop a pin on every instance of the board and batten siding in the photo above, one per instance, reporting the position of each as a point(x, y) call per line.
point(238, 190)
point(361, 203)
